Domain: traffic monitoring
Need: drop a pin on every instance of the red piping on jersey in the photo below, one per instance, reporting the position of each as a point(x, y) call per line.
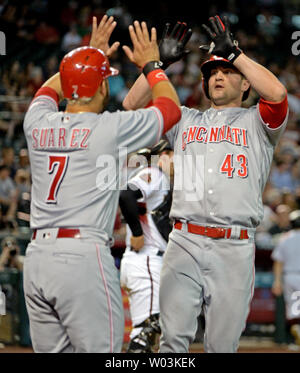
point(47, 91)
point(252, 286)
point(273, 113)
point(169, 110)
point(151, 281)
point(108, 299)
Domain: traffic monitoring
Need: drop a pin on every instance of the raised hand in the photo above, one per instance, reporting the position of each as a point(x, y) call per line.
point(222, 43)
point(145, 48)
point(102, 33)
point(172, 45)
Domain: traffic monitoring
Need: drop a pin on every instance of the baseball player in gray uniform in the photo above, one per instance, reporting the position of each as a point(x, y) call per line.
point(286, 269)
point(222, 158)
point(71, 284)
point(146, 242)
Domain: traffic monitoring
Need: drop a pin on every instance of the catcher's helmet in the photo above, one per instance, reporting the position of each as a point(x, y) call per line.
point(206, 68)
point(145, 152)
point(155, 150)
point(161, 146)
point(295, 219)
point(82, 71)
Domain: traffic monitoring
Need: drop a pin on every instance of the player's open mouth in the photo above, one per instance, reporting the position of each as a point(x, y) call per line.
point(218, 86)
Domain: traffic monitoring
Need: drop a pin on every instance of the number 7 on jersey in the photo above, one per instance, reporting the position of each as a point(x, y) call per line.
point(57, 165)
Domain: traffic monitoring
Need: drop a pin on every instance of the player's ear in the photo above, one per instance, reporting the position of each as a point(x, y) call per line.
point(245, 84)
point(104, 88)
point(103, 93)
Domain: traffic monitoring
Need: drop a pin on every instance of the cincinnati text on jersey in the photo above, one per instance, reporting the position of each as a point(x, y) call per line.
point(60, 138)
point(233, 135)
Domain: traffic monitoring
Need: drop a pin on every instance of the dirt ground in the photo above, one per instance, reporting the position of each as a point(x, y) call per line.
point(246, 346)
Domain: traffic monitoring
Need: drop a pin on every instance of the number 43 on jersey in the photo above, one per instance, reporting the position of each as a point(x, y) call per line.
point(228, 165)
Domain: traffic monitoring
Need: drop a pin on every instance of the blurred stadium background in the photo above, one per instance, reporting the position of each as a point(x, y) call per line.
point(38, 34)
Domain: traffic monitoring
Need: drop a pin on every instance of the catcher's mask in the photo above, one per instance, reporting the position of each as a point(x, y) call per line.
point(158, 148)
point(161, 146)
point(82, 71)
point(210, 64)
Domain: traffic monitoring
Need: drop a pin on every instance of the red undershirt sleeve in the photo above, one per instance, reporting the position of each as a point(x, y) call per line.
point(273, 113)
point(169, 110)
point(47, 91)
point(150, 103)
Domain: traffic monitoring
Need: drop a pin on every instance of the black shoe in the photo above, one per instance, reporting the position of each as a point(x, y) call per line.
point(138, 348)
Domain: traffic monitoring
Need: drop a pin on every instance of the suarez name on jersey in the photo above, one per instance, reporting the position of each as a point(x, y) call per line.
point(60, 138)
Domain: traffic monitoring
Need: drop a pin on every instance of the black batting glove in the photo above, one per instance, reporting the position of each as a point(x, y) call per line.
point(172, 46)
point(222, 43)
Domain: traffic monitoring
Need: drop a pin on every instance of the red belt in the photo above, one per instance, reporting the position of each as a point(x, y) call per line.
point(213, 232)
point(62, 233)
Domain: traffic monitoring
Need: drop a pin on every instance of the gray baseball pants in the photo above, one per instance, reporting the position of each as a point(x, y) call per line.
point(72, 294)
point(216, 275)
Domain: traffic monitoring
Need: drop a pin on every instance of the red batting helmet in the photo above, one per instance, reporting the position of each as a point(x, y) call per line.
point(206, 68)
point(82, 71)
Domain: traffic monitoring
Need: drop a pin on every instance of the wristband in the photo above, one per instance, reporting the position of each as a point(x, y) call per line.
point(154, 73)
point(150, 66)
point(234, 54)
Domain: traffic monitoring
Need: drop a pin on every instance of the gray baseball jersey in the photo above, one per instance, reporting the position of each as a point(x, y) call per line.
point(76, 159)
point(71, 285)
point(222, 160)
point(288, 252)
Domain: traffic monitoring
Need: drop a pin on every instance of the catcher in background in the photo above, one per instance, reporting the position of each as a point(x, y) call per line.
point(286, 270)
point(145, 206)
